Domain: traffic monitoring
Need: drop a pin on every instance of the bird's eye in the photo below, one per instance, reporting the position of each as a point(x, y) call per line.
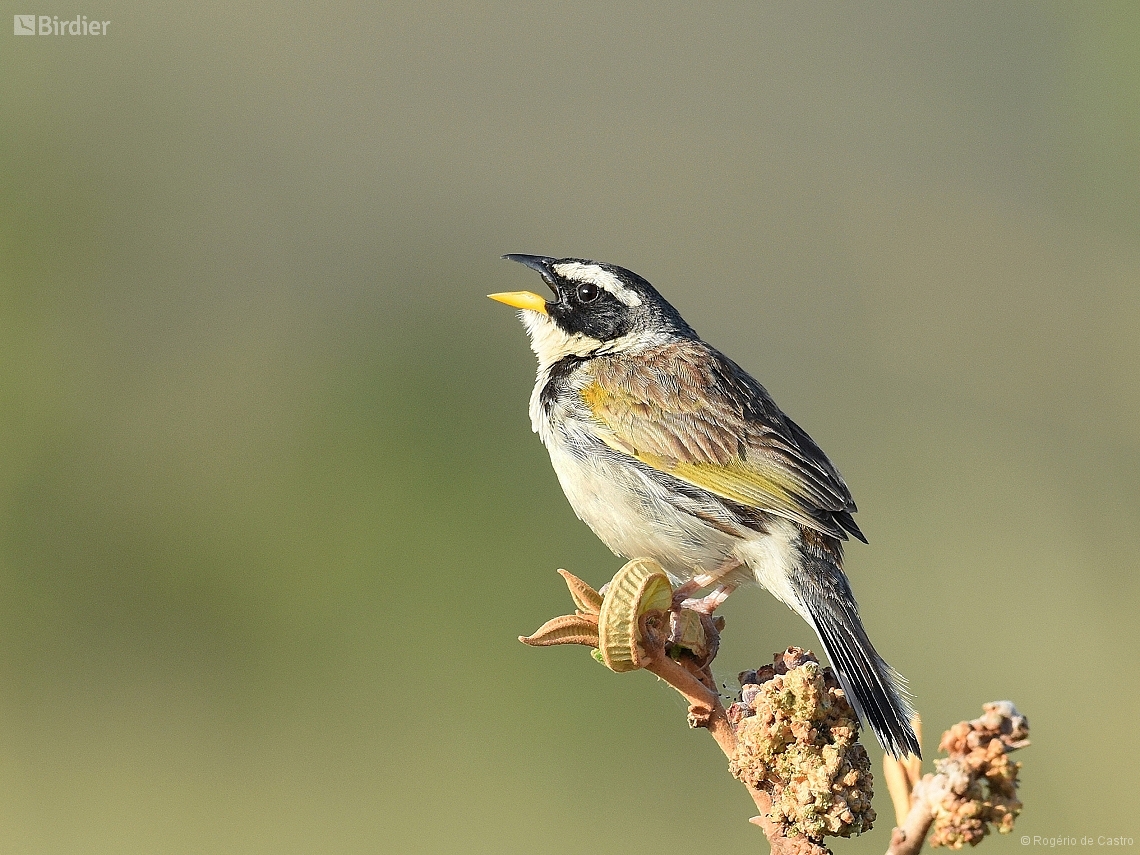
point(587, 292)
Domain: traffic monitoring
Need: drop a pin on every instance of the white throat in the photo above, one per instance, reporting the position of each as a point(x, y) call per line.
point(550, 343)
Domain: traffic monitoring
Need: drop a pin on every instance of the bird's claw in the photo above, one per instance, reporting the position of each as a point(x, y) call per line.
point(707, 604)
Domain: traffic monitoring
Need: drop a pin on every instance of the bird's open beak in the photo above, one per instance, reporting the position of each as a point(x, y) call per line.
point(521, 300)
point(527, 299)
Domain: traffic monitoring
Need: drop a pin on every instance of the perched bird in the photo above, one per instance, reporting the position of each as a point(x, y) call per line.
point(669, 450)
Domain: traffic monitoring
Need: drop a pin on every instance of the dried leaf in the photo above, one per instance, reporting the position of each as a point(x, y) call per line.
point(585, 598)
point(567, 629)
point(639, 586)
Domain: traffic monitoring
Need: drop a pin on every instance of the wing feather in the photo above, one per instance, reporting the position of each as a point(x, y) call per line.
point(685, 409)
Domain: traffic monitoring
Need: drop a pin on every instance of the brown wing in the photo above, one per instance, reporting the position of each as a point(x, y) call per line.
point(686, 409)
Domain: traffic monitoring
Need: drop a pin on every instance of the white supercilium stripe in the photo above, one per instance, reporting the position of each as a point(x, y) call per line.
point(595, 275)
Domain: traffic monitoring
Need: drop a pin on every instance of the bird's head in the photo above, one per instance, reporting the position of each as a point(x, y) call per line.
point(596, 308)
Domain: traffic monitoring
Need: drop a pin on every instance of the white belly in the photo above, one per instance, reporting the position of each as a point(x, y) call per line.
point(627, 511)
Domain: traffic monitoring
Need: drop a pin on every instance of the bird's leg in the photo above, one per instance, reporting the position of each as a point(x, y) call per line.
point(709, 603)
point(704, 580)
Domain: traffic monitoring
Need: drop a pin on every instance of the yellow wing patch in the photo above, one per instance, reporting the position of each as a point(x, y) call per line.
point(684, 410)
point(738, 482)
point(747, 482)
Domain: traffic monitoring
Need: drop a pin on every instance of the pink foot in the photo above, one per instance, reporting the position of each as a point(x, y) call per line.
point(709, 603)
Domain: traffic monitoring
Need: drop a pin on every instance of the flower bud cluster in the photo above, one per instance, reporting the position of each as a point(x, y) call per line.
point(979, 781)
point(796, 739)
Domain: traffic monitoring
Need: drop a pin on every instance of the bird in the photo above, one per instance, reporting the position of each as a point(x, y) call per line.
point(667, 449)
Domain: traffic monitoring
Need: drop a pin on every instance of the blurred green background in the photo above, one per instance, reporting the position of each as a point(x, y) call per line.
point(271, 514)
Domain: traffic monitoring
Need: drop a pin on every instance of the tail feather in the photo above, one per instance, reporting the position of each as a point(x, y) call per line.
point(876, 691)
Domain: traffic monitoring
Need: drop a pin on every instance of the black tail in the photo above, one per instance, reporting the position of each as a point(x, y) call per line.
point(875, 689)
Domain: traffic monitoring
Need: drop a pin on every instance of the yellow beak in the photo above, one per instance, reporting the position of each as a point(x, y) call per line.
point(521, 300)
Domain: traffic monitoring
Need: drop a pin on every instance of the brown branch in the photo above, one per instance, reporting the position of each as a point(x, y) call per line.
point(707, 711)
point(633, 628)
point(908, 838)
point(631, 631)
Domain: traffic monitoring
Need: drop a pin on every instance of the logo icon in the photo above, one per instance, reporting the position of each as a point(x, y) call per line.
point(24, 25)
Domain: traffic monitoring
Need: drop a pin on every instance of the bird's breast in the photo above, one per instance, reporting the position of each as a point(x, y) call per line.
point(638, 512)
point(629, 512)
